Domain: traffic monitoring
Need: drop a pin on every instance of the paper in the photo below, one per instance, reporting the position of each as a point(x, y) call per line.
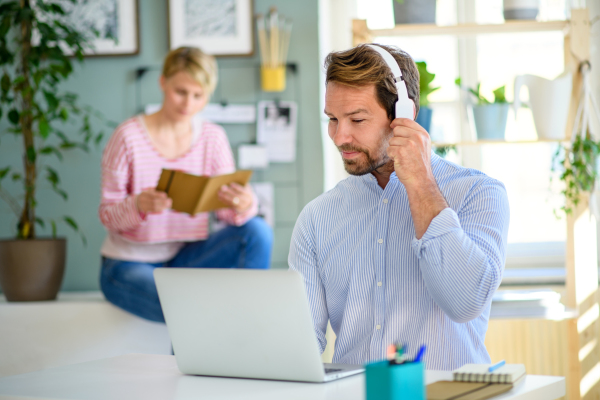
point(193, 194)
point(276, 129)
point(252, 156)
point(220, 114)
point(264, 191)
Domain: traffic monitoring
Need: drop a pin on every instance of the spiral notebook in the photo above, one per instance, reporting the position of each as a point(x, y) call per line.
point(508, 373)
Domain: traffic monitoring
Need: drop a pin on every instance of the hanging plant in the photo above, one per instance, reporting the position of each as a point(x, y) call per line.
point(580, 161)
point(579, 169)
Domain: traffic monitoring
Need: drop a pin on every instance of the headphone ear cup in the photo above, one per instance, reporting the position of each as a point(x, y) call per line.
point(404, 108)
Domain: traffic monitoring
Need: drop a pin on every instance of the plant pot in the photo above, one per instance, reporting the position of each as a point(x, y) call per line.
point(414, 12)
point(32, 270)
point(424, 117)
point(521, 9)
point(490, 120)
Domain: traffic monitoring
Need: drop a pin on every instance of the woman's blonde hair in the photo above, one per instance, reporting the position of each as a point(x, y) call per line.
point(201, 66)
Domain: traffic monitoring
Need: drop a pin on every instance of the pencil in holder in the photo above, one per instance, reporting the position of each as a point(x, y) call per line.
point(385, 381)
point(273, 78)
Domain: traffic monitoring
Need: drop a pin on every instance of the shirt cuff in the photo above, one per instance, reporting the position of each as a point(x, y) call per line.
point(136, 214)
point(446, 221)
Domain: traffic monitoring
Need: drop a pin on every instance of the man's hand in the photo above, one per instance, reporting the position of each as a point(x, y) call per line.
point(410, 148)
point(237, 196)
point(151, 201)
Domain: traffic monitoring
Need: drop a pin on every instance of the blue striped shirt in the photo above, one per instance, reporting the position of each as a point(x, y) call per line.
point(365, 271)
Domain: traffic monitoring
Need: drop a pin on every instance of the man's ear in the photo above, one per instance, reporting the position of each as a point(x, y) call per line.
point(414, 109)
point(161, 82)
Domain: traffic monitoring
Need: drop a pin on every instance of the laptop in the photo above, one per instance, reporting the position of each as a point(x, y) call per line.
point(243, 324)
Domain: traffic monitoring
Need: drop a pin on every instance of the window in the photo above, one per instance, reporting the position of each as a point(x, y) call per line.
point(536, 237)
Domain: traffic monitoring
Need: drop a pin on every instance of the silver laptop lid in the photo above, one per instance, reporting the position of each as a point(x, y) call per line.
point(240, 323)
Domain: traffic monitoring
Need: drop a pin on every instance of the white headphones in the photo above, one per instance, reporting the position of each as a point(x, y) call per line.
point(404, 106)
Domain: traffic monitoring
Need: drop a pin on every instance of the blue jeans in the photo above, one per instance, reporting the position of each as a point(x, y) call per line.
point(130, 284)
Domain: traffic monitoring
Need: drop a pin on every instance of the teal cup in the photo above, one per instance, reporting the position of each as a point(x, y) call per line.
point(385, 381)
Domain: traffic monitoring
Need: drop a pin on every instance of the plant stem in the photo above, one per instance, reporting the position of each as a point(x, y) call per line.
point(27, 221)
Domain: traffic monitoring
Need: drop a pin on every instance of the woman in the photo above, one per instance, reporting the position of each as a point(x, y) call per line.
point(143, 232)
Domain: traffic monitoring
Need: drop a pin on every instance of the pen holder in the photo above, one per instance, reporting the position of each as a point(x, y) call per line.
point(395, 382)
point(273, 79)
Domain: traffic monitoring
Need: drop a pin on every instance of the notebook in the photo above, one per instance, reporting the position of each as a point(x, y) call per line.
point(508, 373)
point(194, 194)
point(449, 390)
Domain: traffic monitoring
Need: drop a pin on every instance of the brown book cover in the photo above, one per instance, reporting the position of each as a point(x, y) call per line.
point(455, 390)
point(194, 194)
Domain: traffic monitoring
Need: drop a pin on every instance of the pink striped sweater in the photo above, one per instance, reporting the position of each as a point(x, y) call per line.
point(131, 163)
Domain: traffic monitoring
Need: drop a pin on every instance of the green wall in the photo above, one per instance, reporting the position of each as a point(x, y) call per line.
point(108, 84)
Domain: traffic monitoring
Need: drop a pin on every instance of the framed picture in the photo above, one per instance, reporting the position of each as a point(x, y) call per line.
point(217, 27)
point(116, 22)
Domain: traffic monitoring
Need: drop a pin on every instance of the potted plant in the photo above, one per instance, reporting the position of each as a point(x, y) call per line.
point(36, 45)
point(414, 11)
point(489, 116)
point(425, 79)
point(579, 169)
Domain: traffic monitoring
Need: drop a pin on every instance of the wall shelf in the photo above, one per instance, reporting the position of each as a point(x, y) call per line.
point(470, 29)
point(484, 142)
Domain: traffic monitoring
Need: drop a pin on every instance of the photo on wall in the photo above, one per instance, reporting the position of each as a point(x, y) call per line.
point(115, 21)
point(217, 27)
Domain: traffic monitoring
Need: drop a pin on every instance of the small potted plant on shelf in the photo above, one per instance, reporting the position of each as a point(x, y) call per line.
point(414, 11)
point(426, 88)
point(36, 45)
point(489, 116)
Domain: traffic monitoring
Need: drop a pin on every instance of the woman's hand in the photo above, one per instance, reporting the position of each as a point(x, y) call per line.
point(151, 201)
point(236, 196)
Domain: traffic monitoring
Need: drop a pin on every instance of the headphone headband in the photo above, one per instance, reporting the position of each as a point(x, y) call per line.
point(404, 106)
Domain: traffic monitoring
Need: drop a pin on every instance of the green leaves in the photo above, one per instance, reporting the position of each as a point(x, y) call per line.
point(71, 222)
point(498, 93)
point(4, 172)
point(425, 79)
point(580, 172)
point(44, 128)
point(499, 96)
point(13, 116)
point(52, 177)
point(51, 150)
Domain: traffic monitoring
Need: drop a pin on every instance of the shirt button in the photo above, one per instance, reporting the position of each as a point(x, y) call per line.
point(378, 327)
point(378, 283)
point(380, 241)
point(385, 201)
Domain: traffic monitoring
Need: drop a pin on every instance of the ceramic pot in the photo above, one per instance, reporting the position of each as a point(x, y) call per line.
point(32, 270)
point(549, 101)
point(521, 9)
point(490, 120)
point(414, 11)
point(424, 117)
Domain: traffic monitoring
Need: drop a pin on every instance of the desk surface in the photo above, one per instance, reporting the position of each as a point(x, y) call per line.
point(142, 376)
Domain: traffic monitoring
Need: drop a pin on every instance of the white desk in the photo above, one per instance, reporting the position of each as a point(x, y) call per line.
point(148, 377)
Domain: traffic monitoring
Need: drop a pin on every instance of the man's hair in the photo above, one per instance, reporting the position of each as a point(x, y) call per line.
point(362, 66)
point(201, 66)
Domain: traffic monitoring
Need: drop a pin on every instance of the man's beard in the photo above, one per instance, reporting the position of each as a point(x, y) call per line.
point(360, 166)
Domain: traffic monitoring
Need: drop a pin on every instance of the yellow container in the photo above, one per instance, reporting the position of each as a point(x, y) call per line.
point(273, 79)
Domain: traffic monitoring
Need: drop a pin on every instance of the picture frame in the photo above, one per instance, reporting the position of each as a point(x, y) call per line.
point(117, 22)
point(218, 28)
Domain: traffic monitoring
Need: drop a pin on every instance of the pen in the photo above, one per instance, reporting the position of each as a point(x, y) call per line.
point(496, 366)
point(420, 354)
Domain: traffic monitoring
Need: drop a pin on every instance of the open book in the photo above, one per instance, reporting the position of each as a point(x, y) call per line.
point(194, 194)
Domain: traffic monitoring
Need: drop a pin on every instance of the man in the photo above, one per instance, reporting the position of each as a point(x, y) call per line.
point(410, 248)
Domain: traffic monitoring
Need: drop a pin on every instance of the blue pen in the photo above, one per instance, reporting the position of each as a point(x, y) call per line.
point(420, 354)
point(496, 366)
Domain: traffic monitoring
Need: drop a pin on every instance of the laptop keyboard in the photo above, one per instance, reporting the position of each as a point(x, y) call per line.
point(331, 370)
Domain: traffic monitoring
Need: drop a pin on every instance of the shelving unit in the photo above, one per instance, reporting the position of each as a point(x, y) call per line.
point(580, 355)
